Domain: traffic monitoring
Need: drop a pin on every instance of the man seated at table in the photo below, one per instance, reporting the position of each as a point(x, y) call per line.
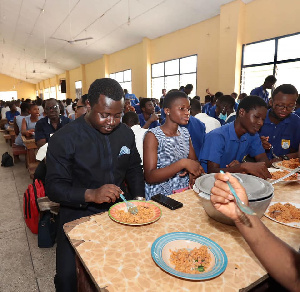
point(10, 115)
point(88, 163)
point(50, 123)
point(280, 260)
point(225, 147)
point(83, 106)
point(281, 129)
point(148, 119)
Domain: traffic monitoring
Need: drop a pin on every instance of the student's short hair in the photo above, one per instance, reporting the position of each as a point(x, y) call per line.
point(84, 98)
point(251, 102)
point(51, 99)
point(218, 94)
point(197, 97)
point(189, 86)
point(25, 106)
point(29, 106)
point(286, 89)
point(74, 105)
point(271, 79)
point(171, 96)
point(195, 105)
point(106, 86)
point(68, 101)
point(131, 119)
point(143, 101)
point(228, 99)
point(207, 98)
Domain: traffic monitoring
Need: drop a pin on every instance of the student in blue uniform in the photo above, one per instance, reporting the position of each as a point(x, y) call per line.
point(148, 118)
point(281, 128)
point(225, 147)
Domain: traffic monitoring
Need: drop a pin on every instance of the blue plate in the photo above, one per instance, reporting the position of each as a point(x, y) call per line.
point(161, 247)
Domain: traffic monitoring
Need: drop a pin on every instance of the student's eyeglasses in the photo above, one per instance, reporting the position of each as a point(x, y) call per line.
point(79, 106)
point(287, 107)
point(49, 108)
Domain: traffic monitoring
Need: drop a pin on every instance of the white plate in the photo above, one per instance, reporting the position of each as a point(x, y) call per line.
point(278, 165)
point(291, 224)
point(284, 181)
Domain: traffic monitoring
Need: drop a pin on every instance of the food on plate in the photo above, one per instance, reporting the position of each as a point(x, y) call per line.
point(144, 215)
point(284, 213)
point(279, 174)
point(292, 163)
point(194, 261)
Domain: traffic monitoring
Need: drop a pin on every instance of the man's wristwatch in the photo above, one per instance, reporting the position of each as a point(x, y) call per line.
point(284, 157)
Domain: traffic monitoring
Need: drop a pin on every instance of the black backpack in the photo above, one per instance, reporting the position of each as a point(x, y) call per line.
point(7, 160)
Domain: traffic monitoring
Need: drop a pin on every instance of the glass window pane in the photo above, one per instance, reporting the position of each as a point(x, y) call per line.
point(253, 77)
point(119, 76)
point(157, 85)
point(126, 85)
point(288, 73)
point(112, 76)
point(172, 67)
point(189, 79)
point(127, 75)
point(259, 53)
point(158, 69)
point(188, 64)
point(78, 84)
point(172, 82)
point(289, 48)
point(8, 95)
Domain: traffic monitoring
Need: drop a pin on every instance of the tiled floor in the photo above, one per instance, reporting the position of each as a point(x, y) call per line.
point(23, 265)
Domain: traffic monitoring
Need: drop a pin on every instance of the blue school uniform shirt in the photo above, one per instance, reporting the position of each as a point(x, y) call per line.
point(143, 122)
point(259, 91)
point(197, 132)
point(282, 136)
point(133, 99)
point(222, 146)
point(10, 116)
point(206, 108)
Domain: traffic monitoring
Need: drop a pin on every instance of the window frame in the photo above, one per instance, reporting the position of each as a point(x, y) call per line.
point(179, 74)
point(123, 82)
point(275, 62)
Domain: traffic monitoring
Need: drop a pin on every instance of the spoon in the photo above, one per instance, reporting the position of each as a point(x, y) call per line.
point(274, 155)
point(243, 207)
point(130, 207)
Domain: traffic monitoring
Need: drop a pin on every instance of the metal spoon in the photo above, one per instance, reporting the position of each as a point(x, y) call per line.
point(286, 176)
point(274, 155)
point(243, 207)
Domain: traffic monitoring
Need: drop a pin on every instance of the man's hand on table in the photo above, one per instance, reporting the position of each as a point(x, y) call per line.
point(108, 193)
point(221, 196)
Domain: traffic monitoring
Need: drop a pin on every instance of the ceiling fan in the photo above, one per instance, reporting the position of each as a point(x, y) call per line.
point(72, 41)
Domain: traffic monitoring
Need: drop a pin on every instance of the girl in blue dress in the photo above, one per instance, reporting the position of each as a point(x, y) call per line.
point(170, 162)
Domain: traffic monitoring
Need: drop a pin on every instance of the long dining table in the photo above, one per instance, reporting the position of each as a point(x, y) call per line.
point(117, 257)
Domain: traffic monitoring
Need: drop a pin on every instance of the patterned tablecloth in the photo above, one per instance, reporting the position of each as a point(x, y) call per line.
point(118, 257)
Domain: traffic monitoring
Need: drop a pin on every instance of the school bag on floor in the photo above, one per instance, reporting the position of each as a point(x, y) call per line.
point(30, 206)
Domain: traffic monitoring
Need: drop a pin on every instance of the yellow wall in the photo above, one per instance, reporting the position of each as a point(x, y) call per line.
point(201, 39)
point(130, 58)
point(74, 75)
point(24, 89)
point(93, 71)
point(271, 18)
point(217, 42)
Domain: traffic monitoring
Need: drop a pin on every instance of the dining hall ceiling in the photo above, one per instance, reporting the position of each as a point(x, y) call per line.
point(42, 38)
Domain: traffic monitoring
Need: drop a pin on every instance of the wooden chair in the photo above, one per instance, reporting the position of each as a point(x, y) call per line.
point(18, 150)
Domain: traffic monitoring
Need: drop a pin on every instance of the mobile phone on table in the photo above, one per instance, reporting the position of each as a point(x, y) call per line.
point(167, 201)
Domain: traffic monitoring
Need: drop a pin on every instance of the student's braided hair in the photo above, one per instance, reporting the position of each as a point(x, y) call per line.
point(106, 86)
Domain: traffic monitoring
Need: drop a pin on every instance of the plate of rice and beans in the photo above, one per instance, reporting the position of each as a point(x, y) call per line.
point(287, 164)
point(279, 173)
point(189, 256)
point(147, 213)
point(284, 213)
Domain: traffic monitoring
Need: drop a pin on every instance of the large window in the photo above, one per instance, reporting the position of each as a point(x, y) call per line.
point(46, 93)
point(124, 78)
point(8, 95)
point(173, 74)
point(279, 56)
point(52, 92)
point(78, 88)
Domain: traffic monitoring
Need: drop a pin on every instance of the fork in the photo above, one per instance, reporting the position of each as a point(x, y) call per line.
point(243, 207)
point(130, 207)
point(274, 155)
